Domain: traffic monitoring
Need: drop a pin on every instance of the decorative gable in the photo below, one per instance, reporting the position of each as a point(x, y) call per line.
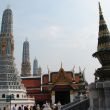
point(61, 78)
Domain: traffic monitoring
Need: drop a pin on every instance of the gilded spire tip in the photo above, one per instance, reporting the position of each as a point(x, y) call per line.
point(61, 64)
point(100, 10)
point(8, 6)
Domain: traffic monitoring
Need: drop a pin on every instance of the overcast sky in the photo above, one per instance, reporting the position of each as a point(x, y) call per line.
point(58, 31)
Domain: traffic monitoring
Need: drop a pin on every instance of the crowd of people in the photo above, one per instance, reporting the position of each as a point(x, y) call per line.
point(45, 106)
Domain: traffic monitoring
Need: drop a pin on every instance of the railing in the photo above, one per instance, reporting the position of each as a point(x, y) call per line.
point(77, 105)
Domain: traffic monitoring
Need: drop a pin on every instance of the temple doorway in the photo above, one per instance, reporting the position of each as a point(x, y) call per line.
point(62, 96)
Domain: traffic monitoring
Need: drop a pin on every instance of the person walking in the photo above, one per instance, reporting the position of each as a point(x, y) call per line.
point(22, 107)
point(14, 107)
point(19, 108)
point(38, 107)
point(47, 107)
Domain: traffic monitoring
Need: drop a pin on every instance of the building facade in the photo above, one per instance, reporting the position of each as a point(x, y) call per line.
point(61, 86)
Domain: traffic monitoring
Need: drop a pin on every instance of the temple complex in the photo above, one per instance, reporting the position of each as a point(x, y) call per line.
point(60, 86)
point(53, 86)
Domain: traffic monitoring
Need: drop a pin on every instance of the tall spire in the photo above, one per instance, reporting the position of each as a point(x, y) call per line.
point(7, 22)
point(25, 55)
point(103, 49)
point(6, 36)
point(35, 67)
point(100, 10)
point(104, 35)
point(61, 64)
point(26, 67)
point(10, 81)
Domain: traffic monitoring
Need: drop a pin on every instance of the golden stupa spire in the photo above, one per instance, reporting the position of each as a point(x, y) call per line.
point(104, 35)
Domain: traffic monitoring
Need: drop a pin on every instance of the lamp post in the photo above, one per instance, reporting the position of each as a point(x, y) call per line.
point(10, 102)
point(9, 98)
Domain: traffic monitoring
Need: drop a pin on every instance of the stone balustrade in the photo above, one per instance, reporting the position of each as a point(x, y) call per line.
point(77, 105)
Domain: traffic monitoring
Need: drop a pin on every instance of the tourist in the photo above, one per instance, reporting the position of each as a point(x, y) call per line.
point(26, 107)
point(22, 107)
point(47, 107)
point(31, 108)
point(59, 105)
point(4, 108)
point(38, 107)
point(14, 107)
point(54, 106)
point(34, 107)
point(19, 108)
point(42, 106)
point(7, 107)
